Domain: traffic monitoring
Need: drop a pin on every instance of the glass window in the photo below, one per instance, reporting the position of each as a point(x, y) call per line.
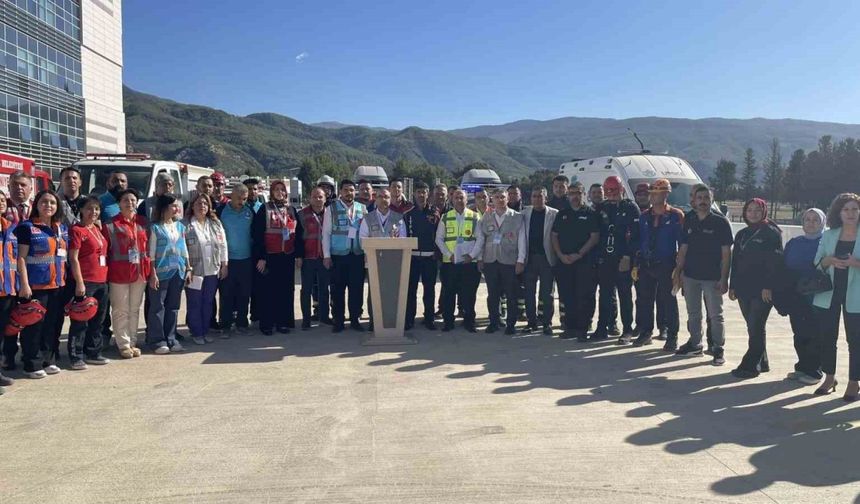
point(14, 132)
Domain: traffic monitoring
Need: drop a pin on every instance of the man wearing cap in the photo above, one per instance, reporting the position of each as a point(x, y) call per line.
point(327, 183)
point(219, 186)
point(558, 199)
point(575, 232)
point(660, 230)
point(501, 245)
point(344, 257)
point(421, 222)
point(641, 197)
point(619, 237)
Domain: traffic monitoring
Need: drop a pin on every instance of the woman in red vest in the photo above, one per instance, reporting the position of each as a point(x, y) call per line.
point(276, 229)
point(42, 252)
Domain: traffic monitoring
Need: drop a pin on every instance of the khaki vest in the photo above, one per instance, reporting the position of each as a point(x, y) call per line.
point(375, 229)
point(506, 251)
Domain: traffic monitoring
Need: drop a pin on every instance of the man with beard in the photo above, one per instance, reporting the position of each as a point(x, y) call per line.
point(481, 204)
point(366, 194)
point(117, 183)
point(310, 252)
point(619, 235)
point(219, 187)
point(399, 203)
point(595, 195)
point(344, 257)
point(253, 186)
point(421, 222)
point(558, 200)
point(515, 198)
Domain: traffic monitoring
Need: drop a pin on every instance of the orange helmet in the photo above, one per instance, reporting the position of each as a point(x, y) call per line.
point(82, 309)
point(661, 185)
point(24, 314)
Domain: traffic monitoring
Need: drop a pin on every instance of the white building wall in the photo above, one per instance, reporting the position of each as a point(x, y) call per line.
point(101, 65)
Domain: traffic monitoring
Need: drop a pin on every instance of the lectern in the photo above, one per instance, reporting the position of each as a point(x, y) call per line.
point(388, 262)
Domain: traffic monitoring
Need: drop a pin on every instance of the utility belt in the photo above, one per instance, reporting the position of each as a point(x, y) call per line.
point(656, 263)
point(418, 253)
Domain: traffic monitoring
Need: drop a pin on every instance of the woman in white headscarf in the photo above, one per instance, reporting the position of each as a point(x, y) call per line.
point(800, 263)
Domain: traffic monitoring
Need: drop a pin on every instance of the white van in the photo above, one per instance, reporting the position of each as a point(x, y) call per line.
point(634, 169)
point(140, 170)
point(374, 174)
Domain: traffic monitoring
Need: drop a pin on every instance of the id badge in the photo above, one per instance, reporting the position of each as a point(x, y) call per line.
point(286, 233)
point(61, 252)
point(351, 233)
point(497, 239)
point(102, 261)
point(133, 256)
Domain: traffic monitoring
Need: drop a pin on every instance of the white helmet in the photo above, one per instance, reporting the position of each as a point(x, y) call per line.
point(326, 180)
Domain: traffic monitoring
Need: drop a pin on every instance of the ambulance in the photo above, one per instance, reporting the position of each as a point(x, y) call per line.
point(11, 163)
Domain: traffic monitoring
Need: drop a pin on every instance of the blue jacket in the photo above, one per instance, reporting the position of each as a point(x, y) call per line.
point(827, 247)
point(800, 255)
point(660, 244)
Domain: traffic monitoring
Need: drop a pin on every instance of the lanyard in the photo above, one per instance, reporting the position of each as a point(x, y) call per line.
point(97, 237)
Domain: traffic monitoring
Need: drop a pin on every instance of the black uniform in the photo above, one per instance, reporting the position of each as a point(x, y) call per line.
point(422, 223)
point(558, 202)
point(576, 282)
point(619, 238)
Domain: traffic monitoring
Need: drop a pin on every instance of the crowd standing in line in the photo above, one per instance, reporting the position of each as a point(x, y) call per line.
point(97, 259)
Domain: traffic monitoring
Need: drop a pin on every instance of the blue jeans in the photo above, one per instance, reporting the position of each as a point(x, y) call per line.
point(163, 311)
point(199, 309)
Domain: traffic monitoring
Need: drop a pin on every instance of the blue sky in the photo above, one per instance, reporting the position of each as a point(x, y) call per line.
point(450, 64)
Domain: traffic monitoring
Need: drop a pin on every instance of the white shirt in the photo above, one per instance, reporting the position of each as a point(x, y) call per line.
point(440, 239)
point(521, 239)
point(364, 231)
point(326, 227)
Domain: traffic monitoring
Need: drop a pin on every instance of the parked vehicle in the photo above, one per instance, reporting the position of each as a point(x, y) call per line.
point(374, 174)
point(11, 163)
point(141, 172)
point(480, 178)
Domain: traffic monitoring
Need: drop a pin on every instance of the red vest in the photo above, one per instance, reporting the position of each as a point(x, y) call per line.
point(280, 236)
point(312, 233)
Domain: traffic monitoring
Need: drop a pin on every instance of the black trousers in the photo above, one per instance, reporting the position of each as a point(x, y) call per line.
point(257, 295)
point(655, 287)
point(755, 312)
point(347, 272)
point(459, 287)
point(236, 293)
point(537, 270)
point(577, 283)
point(65, 294)
point(85, 338)
point(611, 280)
point(501, 279)
point(828, 321)
point(279, 284)
point(314, 274)
point(40, 336)
point(10, 343)
point(424, 269)
point(804, 325)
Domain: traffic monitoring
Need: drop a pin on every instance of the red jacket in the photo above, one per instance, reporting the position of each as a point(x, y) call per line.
point(127, 249)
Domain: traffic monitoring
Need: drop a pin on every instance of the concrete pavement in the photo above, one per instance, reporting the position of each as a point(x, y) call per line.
point(315, 417)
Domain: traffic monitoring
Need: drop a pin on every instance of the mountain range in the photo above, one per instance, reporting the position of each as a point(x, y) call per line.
point(274, 143)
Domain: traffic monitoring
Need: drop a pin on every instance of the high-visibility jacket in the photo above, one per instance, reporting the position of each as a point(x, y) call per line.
point(455, 234)
point(280, 234)
point(128, 260)
point(9, 269)
point(46, 256)
point(312, 227)
point(341, 243)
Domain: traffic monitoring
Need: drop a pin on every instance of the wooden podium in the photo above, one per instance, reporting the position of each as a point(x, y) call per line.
point(388, 262)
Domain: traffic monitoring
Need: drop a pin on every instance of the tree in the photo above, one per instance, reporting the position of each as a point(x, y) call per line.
point(773, 174)
point(749, 177)
point(724, 180)
point(793, 182)
point(322, 164)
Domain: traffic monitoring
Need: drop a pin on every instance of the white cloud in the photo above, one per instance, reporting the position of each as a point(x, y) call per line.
point(302, 56)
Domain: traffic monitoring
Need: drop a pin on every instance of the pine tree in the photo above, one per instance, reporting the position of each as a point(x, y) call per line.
point(724, 180)
point(749, 177)
point(773, 175)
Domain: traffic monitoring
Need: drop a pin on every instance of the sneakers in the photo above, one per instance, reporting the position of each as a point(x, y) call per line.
point(210, 339)
point(642, 341)
point(162, 350)
point(176, 348)
point(719, 360)
point(79, 366)
point(5, 381)
point(688, 349)
point(744, 373)
point(97, 361)
point(36, 375)
point(671, 345)
point(614, 331)
point(52, 369)
point(625, 339)
point(510, 330)
point(198, 340)
point(491, 329)
point(599, 335)
point(547, 330)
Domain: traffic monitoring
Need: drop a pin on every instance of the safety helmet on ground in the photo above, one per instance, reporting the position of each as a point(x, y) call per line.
point(24, 314)
point(82, 309)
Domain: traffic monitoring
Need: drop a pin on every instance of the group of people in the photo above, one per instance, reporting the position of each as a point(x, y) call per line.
point(119, 250)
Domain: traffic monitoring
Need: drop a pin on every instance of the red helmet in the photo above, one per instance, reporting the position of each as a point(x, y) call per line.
point(24, 314)
point(219, 178)
point(82, 309)
point(612, 182)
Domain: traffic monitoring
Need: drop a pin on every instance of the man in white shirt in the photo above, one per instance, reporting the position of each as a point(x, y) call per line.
point(456, 239)
point(501, 245)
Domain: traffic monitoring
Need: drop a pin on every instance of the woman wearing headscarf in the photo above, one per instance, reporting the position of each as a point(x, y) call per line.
point(756, 260)
point(839, 253)
point(800, 264)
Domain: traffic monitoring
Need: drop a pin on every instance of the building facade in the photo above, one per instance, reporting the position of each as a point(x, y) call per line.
point(60, 79)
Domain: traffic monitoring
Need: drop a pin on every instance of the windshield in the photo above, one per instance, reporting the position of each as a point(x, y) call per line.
point(680, 195)
point(94, 178)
